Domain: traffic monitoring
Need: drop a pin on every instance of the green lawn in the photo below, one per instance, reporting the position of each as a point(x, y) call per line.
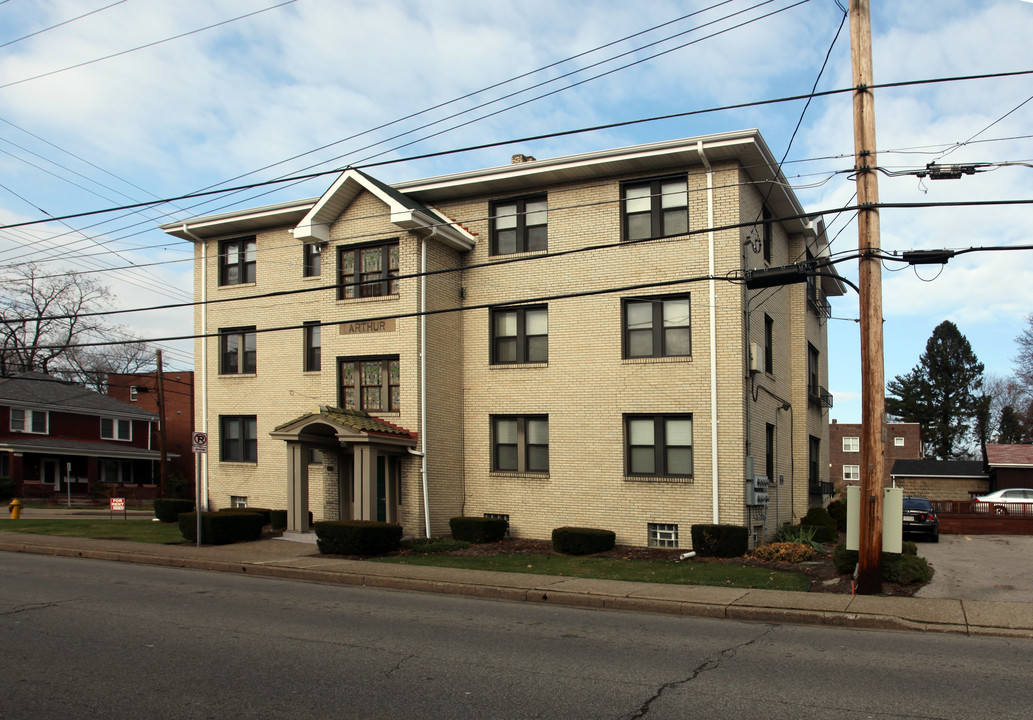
point(678, 573)
point(135, 529)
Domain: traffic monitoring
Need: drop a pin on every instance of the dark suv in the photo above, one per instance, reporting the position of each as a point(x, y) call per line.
point(920, 519)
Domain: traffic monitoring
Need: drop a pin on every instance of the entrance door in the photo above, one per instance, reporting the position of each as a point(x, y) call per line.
point(50, 472)
point(381, 488)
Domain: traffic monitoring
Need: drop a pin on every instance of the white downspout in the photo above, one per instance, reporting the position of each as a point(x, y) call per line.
point(423, 382)
point(713, 333)
point(203, 501)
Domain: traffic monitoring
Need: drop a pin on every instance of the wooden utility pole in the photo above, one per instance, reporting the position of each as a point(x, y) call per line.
point(160, 382)
point(873, 398)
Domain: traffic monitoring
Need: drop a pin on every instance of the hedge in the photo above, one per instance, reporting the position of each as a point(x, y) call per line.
point(478, 529)
point(904, 568)
point(264, 512)
point(168, 509)
point(582, 541)
point(222, 528)
point(357, 537)
point(720, 540)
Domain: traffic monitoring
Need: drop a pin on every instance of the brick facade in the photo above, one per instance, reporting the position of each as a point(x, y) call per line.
point(588, 387)
point(903, 441)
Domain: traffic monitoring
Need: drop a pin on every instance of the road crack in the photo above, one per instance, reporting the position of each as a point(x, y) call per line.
point(30, 607)
point(710, 663)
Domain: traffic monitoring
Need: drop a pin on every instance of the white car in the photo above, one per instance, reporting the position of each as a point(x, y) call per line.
point(1000, 499)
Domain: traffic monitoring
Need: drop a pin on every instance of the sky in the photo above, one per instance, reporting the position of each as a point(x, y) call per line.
point(106, 103)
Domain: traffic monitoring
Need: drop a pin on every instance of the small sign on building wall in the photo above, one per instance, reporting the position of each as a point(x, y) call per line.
point(366, 327)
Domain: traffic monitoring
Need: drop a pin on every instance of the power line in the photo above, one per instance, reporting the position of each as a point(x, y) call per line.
point(60, 24)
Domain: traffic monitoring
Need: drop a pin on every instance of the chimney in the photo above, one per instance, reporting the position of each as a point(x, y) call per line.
point(518, 158)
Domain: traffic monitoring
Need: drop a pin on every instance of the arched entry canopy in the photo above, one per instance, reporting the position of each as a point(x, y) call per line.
point(355, 436)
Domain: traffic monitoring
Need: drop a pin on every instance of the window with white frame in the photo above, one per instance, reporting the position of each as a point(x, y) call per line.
point(851, 444)
point(30, 421)
point(663, 535)
point(115, 429)
point(851, 473)
point(898, 442)
point(238, 501)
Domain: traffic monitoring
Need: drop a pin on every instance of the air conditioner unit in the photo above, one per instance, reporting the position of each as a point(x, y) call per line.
point(756, 358)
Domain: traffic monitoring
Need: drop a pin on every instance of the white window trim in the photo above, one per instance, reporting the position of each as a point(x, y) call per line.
point(26, 422)
point(898, 442)
point(854, 476)
point(854, 446)
point(115, 422)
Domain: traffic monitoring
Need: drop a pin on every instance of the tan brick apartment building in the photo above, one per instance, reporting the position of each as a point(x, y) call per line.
point(903, 442)
point(550, 341)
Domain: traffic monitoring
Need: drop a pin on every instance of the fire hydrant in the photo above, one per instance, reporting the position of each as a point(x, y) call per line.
point(16, 509)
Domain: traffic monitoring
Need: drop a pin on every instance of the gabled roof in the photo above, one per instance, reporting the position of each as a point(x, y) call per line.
point(939, 468)
point(1009, 455)
point(45, 392)
point(405, 212)
point(345, 422)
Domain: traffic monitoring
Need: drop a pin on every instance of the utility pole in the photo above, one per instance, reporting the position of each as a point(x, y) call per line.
point(873, 398)
point(160, 382)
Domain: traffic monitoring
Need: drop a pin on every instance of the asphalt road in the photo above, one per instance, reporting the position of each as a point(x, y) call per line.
point(980, 567)
point(85, 638)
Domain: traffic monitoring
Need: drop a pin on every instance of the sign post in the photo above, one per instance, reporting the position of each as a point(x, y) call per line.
point(200, 447)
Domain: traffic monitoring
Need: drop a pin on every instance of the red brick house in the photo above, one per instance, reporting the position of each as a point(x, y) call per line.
point(60, 440)
point(903, 442)
point(141, 390)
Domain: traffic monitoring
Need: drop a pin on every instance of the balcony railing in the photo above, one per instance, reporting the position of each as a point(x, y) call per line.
point(819, 395)
point(817, 300)
point(822, 489)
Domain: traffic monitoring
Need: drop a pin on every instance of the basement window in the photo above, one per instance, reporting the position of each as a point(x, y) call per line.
point(663, 535)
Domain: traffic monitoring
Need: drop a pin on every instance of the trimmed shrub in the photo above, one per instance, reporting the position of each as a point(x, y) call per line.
point(478, 529)
point(837, 511)
point(168, 509)
point(784, 552)
point(905, 568)
point(582, 541)
point(221, 528)
point(278, 519)
point(264, 512)
point(827, 530)
point(357, 537)
point(429, 546)
point(725, 541)
point(908, 547)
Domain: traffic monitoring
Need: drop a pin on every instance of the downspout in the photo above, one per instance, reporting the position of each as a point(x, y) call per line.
point(713, 330)
point(204, 360)
point(423, 380)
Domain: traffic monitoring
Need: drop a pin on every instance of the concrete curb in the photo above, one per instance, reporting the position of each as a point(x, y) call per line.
point(765, 606)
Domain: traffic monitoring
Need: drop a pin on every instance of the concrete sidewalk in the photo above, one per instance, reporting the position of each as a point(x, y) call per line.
point(284, 559)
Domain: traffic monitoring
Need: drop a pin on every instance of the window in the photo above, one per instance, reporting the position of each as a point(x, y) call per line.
point(655, 208)
point(312, 259)
point(313, 346)
point(898, 442)
point(767, 229)
point(238, 501)
point(813, 376)
point(5, 465)
point(499, 516)
point(116, 472)
point(30, 421)
point(852, 473)
point(112, 429)
point(134, 392)
point(813, 461)
point(369, 271)
point(519, 226)
point(371, 384)
point(237, 261)
point(657, 327)
point(314, 456)
point(851, 444)
point(663, 535)
point(238, 435)
point(237, 354)
point(769, 455)
point(520, 335)
point(769, 345)
point(520, 443)
point(658, 445)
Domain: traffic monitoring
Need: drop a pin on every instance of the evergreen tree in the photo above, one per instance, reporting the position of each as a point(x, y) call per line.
point(942, 393)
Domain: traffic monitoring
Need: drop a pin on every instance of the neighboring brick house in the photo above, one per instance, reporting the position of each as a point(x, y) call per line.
point(557, 342)
point(903, 442)
point(941, 479)
point(1009, 466)
point(141, 389)
point(58, 439)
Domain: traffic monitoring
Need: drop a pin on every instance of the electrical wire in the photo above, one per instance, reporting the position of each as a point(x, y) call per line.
point(60, 24)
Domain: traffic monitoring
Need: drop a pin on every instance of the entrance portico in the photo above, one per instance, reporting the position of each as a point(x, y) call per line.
point(368, 454)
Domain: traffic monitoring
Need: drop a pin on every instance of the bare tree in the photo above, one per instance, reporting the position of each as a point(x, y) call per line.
point(1024, 360)
point(91, 366)
point(46, 318)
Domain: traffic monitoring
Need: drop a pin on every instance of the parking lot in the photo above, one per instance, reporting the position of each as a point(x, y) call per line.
point(980, 567)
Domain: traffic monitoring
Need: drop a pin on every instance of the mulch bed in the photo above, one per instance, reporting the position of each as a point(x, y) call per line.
point(820, 571)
